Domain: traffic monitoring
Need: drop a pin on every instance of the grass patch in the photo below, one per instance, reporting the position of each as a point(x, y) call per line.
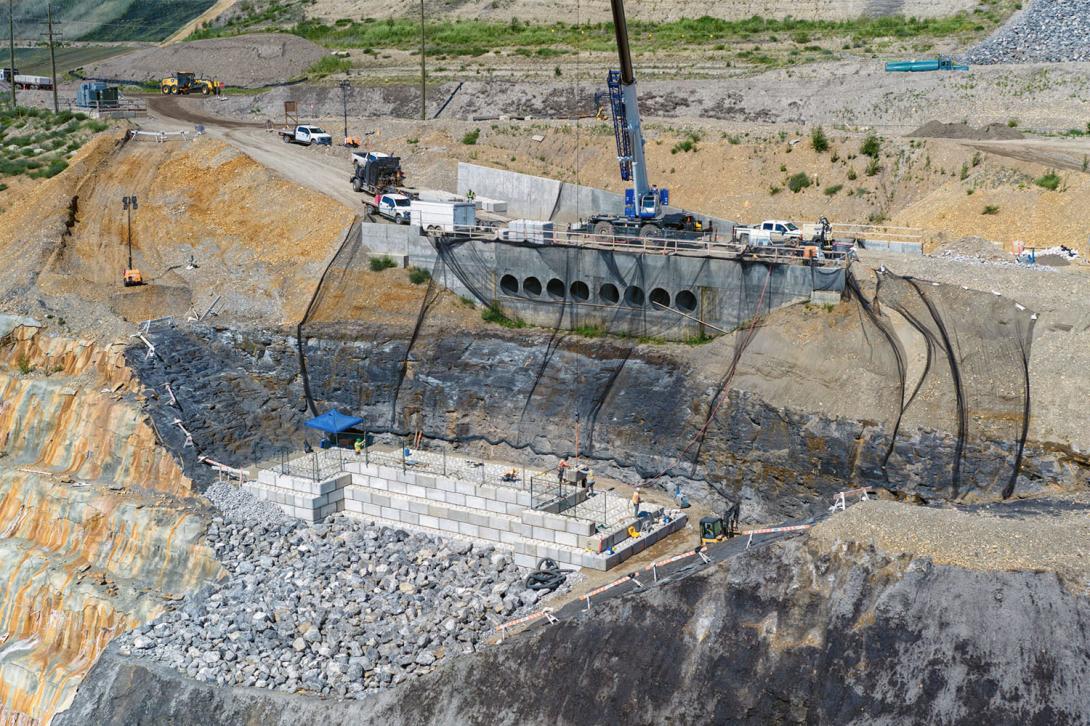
point(871, 146)
point(544, 40)
point(833, 190)
point(589, 331)
point(23, 364)
point(471, 138)
point(493, 314)
point(1050, 181)
point(327, 66)
point(419, 276)
point(873, 167)
point(378, 264)
point(687, 144)
point(36, 141)
point(818, 140)
point(990, 209)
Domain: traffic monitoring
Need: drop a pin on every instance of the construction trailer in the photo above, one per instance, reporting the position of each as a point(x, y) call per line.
point(97, 95)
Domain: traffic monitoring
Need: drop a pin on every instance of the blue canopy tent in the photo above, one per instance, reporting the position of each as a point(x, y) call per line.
point(333, 423)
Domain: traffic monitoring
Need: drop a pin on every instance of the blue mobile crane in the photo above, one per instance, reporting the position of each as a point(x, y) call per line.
point(645, 212)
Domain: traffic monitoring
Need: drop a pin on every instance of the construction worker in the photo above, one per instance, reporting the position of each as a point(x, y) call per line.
point(636, 504)
point(590, 481)
point(561, 469)
point(358, 446)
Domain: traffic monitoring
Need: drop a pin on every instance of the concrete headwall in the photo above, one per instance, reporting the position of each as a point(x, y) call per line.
point(667, 296)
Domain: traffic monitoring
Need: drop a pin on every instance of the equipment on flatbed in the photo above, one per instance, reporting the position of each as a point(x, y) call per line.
point(942, 63)
point(182, 83)
point(644, 213)
point(376, 173)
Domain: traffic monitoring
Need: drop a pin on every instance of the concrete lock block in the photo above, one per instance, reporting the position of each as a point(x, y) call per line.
point(337, 496)
point(567, 539)
point(508, 538)
point(522, 499)
point(492, 535)
point(427, 481)
point(415, 490)
point(410, 518)
point(486, 492)
point(448, 525)
point(418, 507)
point(382, 500)
point(516, 509)
point(479, 519)
point(506, 494)
point(372, 510)
point(456, 499)
point(266, 477)
point(429, 521)
point(463, 487)
point(469, 530)
point(500, 523)
point(529, 516)
point(543, 533)
point(354, 506)
point(446, 485)
point(397, 487)
point(475, 502)
point(526, 561)
point(579, 526)
point(493, 505)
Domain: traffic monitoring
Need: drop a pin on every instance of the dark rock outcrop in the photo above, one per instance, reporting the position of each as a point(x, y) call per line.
point(784, 634)
point(239, 393)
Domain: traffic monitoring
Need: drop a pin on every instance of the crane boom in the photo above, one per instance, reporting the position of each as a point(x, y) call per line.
point(626, 124)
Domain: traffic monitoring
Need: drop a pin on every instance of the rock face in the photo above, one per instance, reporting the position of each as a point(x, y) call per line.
point(240, 396)
point(786, 634)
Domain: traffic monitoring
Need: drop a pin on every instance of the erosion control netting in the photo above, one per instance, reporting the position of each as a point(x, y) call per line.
point(967, 372)
point(955, 361)
point(518, 399)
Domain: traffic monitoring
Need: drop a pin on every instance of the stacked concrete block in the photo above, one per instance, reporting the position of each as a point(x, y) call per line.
point(446, 506)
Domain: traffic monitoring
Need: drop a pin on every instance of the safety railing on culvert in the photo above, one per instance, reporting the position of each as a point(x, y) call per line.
point(708, 246)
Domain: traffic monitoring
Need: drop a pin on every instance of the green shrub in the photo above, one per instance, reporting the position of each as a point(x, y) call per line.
point(418, 276)
point(990, 209)
point(589, 331)
point(471, 138)
point(798, 182)
point(493, 314)
point(818, 140)
point(24, 365)
point(1050, 181)
point(873, 167)
point(378, 264)
point(1013, 122)
point(852, 176)
point(871, 146)
point(964, 171)
point(831, 191)
point(774, 190)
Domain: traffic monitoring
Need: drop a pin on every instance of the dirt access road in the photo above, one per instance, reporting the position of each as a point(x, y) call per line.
point(325, 170)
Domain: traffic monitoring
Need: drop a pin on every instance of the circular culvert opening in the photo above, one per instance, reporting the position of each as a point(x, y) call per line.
point(608, 293)
point(634, 296)
point(509, 284)
point(531, 286)
point(686, 301)
point(579, 291)
point(555, 289)
point(660, 297)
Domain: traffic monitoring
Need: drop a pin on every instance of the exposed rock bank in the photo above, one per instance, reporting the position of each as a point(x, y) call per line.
point(787, 634)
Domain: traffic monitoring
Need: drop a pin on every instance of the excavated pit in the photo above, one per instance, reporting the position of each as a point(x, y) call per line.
point(99, 530)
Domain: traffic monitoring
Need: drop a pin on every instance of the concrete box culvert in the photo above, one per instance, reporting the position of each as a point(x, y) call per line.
point(608, 293)
point(532, 286)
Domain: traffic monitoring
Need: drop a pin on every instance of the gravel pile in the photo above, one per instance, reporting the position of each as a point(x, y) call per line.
point(1050, 31)
point(341, 608)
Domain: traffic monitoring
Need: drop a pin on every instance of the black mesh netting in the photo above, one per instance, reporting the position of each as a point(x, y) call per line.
point(952, 363)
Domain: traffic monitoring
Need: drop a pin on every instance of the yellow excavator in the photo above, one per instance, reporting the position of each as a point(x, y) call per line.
point(182, 83)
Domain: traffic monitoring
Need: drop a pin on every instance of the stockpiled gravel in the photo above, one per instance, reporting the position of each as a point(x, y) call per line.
point(341, 608)
point(1049, 31)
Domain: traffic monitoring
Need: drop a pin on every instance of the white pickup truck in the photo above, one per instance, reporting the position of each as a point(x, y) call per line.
point(395, 207)
point(306, 135)
point(770, 232)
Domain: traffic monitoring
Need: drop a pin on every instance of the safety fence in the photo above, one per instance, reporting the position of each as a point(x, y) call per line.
point(317, 465)
point(440, 463)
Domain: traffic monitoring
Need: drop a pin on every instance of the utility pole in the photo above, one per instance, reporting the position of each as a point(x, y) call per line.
point(11, 35)
point(52, 57)
point(344, 102)
point(423, 69)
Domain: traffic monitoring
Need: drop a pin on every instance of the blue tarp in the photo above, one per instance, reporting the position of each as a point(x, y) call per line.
point(334, 422)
